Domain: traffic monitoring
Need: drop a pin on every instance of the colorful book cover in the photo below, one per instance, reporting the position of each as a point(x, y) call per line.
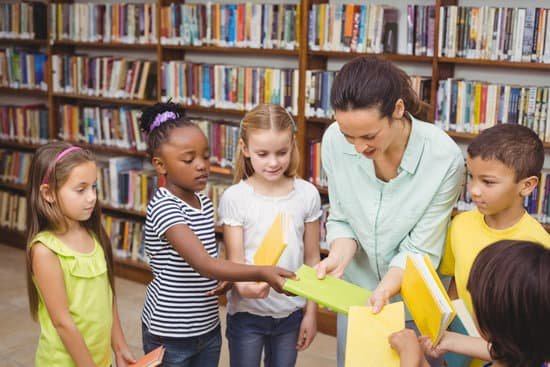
point(333, 293)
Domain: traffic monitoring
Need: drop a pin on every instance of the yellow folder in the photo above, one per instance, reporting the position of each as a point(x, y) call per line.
point(426, 298)
point(274, 242)
point(367, 338)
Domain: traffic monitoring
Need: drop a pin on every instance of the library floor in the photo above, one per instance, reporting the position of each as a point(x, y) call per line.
point(19, 334)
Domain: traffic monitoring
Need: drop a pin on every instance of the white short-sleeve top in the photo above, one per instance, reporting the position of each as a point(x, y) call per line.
point(240, 205)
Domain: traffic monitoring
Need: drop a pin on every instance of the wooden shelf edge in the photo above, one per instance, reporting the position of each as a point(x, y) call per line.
point(117, 101)
point(13, 186)
point(109, 149)
point(114, 209)
point(138, 46)
point(13, 237)
point(233, 50)
point(470, 136)
point(393, 57)
point(24, 41)
point(24, 91)
point(17, 145)
point(498, 63)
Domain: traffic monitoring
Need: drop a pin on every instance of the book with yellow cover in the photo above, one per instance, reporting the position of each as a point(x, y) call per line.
point(367, 338)
point(333, 293)
point(426, 298)
point(274, 242)
point(151, 359)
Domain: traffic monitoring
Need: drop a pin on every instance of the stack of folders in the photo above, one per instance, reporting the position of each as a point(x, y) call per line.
point(330, 292)
point(426, 298)
point(367, 338)
point(274, 242)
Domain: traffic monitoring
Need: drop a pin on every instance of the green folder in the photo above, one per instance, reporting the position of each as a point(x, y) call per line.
point(330, 292)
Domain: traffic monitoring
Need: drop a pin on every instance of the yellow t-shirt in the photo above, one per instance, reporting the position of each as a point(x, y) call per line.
point(468, 234)
point(90, 301)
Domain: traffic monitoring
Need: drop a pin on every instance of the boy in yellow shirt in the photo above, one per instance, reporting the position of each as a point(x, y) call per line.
point(504, 163)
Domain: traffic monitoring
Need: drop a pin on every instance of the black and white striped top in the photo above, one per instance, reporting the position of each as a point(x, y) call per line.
point(176, 304)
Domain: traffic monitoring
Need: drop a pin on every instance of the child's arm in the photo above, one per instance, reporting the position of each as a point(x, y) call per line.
point(233, 239)
point(118, 341)
point(187, 244)
point(51, 285)
point(407, 346)
point(470, 346)
point(308, 327)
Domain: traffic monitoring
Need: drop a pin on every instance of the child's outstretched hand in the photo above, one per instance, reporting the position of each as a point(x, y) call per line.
point(407, 346)
point(221, 288)
point(428, 347)
point(275, 277)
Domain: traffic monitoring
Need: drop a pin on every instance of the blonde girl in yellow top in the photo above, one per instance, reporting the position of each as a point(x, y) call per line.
point(69, 263)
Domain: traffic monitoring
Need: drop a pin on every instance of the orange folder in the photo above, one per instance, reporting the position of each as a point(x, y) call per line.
point(151, 359)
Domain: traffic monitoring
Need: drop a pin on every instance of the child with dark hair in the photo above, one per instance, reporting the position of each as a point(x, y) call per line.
point(393, 180)
point(510, 287)
point(504, 163)
point(181, 307)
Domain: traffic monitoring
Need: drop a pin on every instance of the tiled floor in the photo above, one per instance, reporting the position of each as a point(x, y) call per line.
point(19, 334)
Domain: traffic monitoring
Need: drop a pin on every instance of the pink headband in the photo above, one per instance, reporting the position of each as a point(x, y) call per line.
point(57, 159)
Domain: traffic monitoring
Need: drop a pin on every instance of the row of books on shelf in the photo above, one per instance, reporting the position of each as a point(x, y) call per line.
point(117, 23)
point(126, 237)
point(231, 25)
point(223, 139)
point(24, 20)
point(420, 30)
point(495, 33)
point(14, 166)
point(319, 83)
point(537, 204)
point(471, 106)
point(229, 86)
point(123, 182)
point(23, 69)
point(353, 27)
point(108, 126)
point(27, 124)
point(105, 76)
point(13, 211)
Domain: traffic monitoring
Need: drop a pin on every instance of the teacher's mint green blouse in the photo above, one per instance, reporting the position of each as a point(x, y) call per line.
point(388, 220)
point(90, 302)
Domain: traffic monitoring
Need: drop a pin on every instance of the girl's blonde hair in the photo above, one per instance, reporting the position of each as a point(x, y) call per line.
point(45, 216)
point(265, 117)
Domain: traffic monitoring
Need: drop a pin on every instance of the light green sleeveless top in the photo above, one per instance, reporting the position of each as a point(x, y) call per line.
point(90, 303)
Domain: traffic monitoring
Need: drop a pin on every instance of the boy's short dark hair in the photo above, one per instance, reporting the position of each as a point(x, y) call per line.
point(510, 287)
point(516, 146)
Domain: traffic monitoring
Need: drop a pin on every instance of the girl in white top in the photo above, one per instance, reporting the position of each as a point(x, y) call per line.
point(266, 185)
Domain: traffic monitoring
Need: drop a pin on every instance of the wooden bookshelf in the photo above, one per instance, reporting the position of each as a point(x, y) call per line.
point(309, 128)
point(106, 45)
